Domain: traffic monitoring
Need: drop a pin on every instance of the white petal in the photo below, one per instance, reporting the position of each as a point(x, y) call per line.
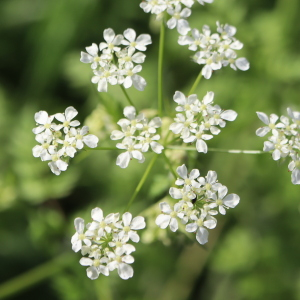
point(130, 34)
point(173, 224)
point(202, 235)
point(127, 218)
point(222, 191)
point(179, 98)
point(92, 50)
point(134, 236)
point(91, 140)
point(163, 221)
point(139, 82)
point(262, 131)
point(182, 171)
point(231, 200)
point(79, 225)
point(229, 115)
point(165, 207)
point(183, 27)
point(70, 113)
point(191, 227)
point(263, 117)
point(138, 223)
point(210, 223)
point(125, 271)
point(201, 146)
point(85, 261)
point(175, 193)
point(92, 273)
point(41, 117)
point(242, 63)
point(97, 214)
point(296, 176)
point(123, 160)
point(86, 58)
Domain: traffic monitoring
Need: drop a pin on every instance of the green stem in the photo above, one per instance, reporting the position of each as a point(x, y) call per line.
point(169, 164)
point(196, 83)
point(126, 95)
point(236, 151)
point(35, 275)
point(142, 181)
point(160, 68)
point(102, 148)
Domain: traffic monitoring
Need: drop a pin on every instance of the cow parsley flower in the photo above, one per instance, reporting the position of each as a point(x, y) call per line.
point(118, 61)
point(284, 140)
point(198, 120)
point(198, 198)
point(60, 142)
point(138, 134)
point(104, 244)
point(216, 50)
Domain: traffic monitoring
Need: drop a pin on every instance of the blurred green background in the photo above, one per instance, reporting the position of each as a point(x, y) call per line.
point(254, 253)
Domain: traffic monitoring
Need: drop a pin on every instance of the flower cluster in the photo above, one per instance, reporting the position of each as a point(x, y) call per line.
point(216, 50)
point(105, 243)
point(285, 139)
point(198, 120)
point(59, 142)
point(119, 60)
point(138, 136)
point(177, 10)
point(199, 197)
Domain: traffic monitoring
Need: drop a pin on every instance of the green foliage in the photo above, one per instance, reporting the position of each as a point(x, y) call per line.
point(257, 253)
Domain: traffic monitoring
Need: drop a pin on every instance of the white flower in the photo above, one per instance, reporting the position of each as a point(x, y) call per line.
point(270, 122)
point(66, 118)
point(190, 103)
point(130, 225)
point(131, 78)
point(138, 43)
point(119, 260)
point(104, 76)
point(81, 137)
point(133, 151)
point(79, 236)
point(45, 122)
point(96, 266)
point(219, 116)
point(200, 138)
point(91, 57)
point(112, 41)
point(223, 201)
point(187, 179)
point(168, 217)
point(178, 19)
point(183, 124)
point(57, 164)
point(199, 225)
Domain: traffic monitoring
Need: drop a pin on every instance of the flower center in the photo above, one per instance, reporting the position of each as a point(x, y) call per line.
point(126, 228)
point(200, 222)
point(45, 145)
point(219, 202)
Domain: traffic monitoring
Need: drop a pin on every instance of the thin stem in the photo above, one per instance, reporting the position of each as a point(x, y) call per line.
point(236, 151)
point(196, 83)
point(35, 275)
point(126, 95)
point(102, 148)
point(169, 164)
point(160, 68)
point(142, 181)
